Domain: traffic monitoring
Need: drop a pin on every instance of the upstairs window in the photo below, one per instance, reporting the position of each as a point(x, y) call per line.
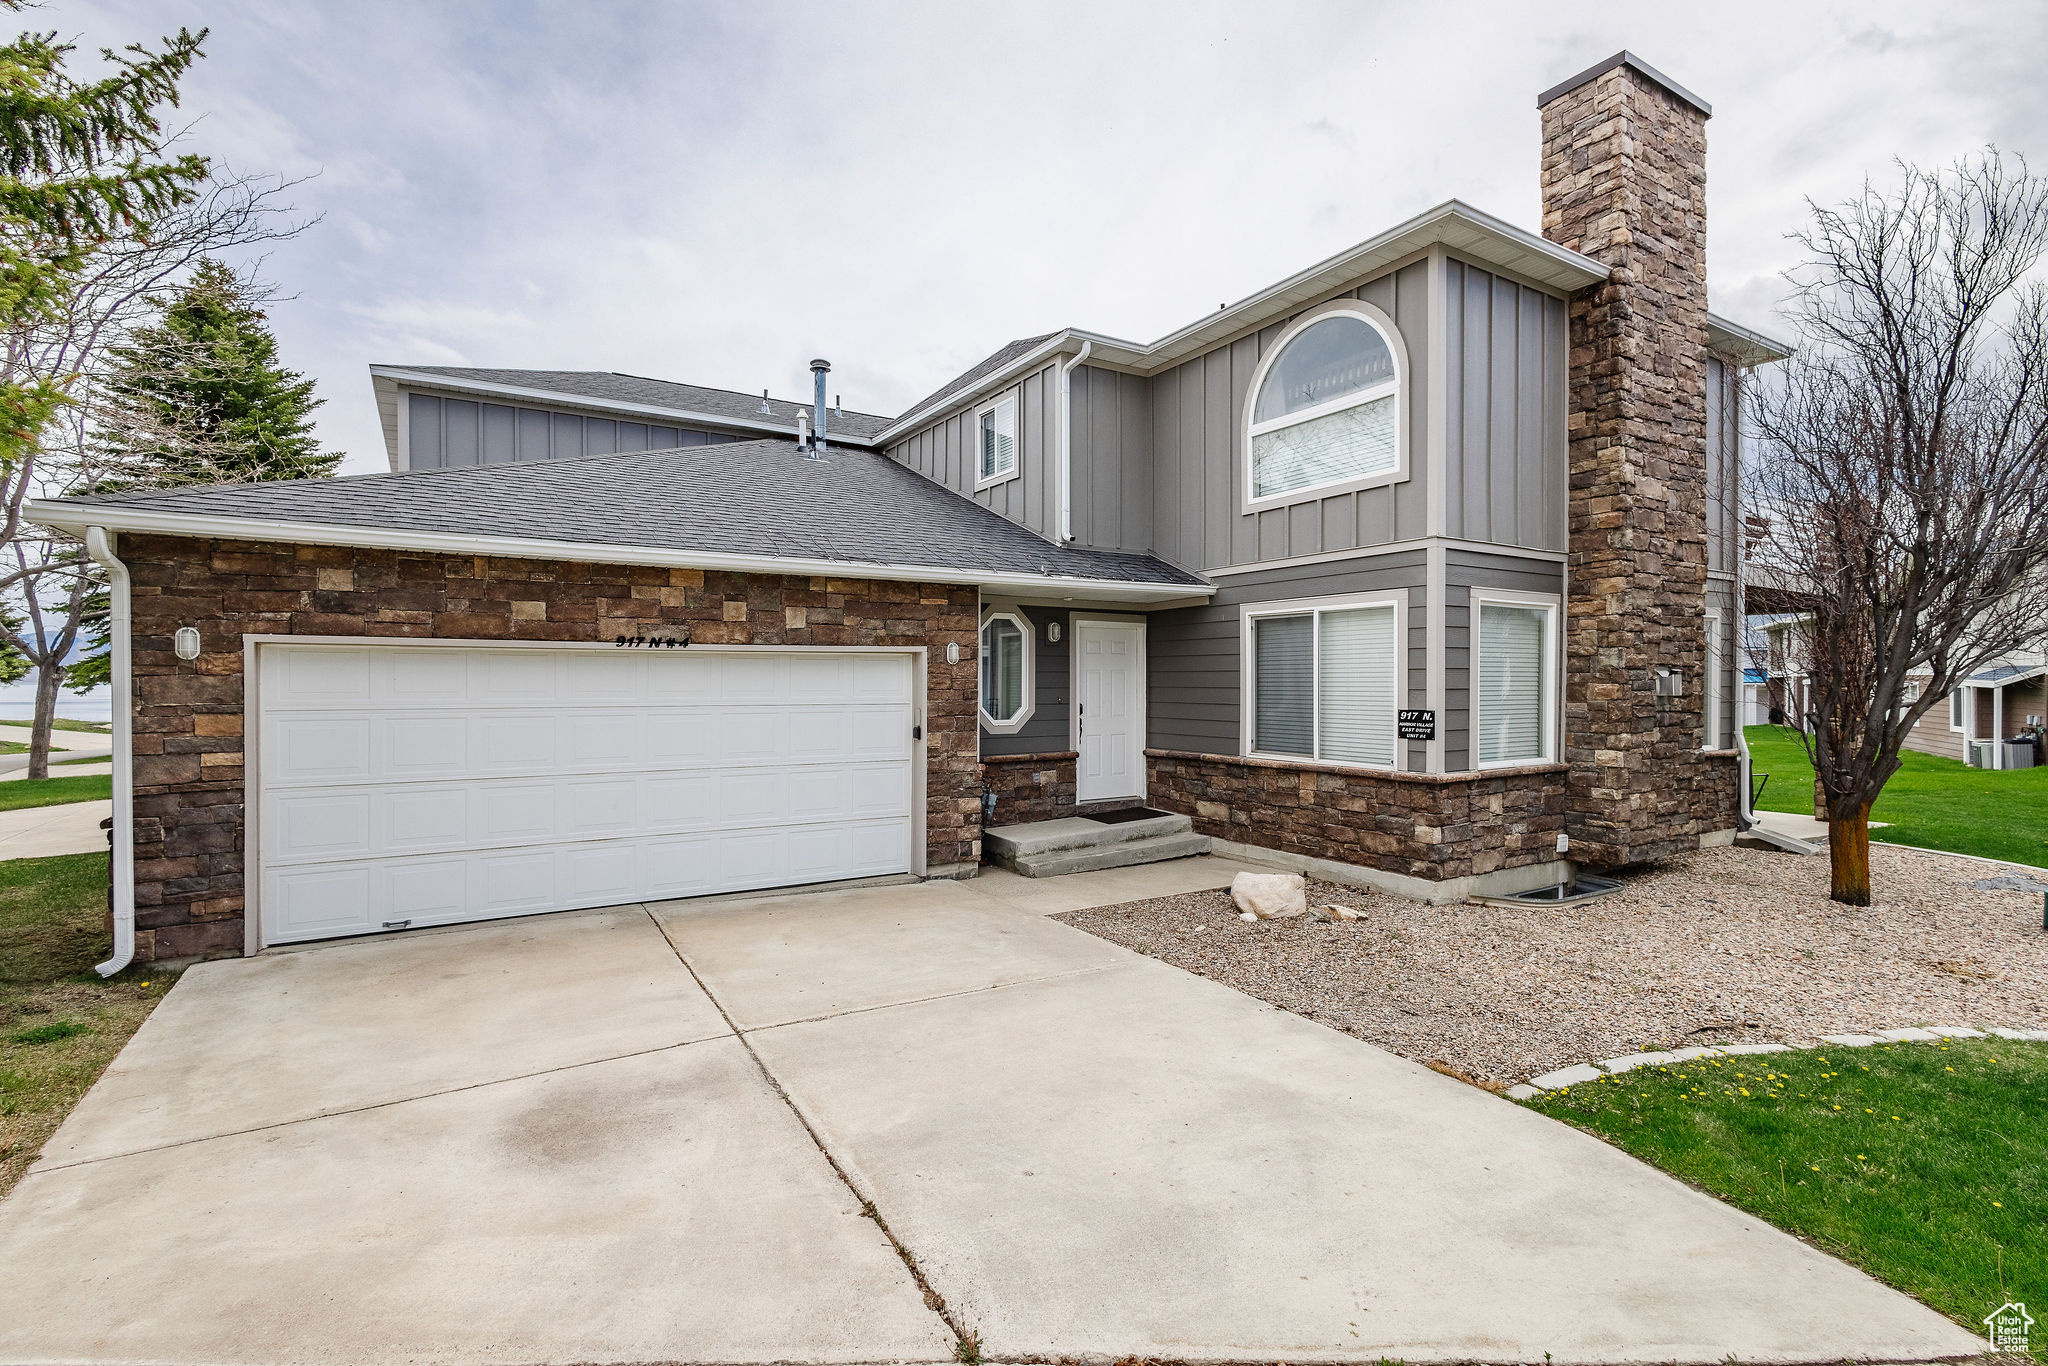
point(997, 424)
point(1327, 411)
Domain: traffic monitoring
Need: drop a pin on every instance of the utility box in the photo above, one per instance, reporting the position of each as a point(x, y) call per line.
point(2019, 753)
point(1983, 754)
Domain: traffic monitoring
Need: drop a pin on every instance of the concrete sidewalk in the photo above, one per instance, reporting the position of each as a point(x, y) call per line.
point(652, 1134)
point(43, 831)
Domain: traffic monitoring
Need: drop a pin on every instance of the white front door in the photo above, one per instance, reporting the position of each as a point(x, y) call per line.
point(1110, 716)
point(405, 785)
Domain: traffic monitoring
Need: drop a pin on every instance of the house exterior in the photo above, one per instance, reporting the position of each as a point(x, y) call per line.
point(1420, 568)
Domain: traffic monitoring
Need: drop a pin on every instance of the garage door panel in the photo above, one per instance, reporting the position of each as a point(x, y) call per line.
point(423, 747)
point(602, 806)
point(425, 891)
point(597, 739)
point(518, 676)
point(437, 784)
point(318, 903)
point(319, 749)
point(513, 742)
point(408, 677)
point(316, 827)
point(421, 819)
point(319, 676)
point(753, 678)
point(601, 677)
point(753, 734)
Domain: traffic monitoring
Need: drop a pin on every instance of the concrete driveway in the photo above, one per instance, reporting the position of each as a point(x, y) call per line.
point(648, 1133)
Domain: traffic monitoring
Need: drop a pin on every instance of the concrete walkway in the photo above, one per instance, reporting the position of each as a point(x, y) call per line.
point(41, 831)
point(645, 1134)
point(64, 744)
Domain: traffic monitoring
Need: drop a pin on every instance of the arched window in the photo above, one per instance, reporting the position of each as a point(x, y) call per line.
point(1327, 409)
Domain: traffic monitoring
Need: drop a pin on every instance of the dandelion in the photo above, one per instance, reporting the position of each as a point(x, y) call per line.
point(1996, 1205)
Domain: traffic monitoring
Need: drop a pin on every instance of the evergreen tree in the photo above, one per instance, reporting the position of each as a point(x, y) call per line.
point(197, 396)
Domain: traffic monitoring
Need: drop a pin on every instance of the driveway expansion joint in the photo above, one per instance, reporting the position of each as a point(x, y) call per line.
point(926, 1000)
point(966, 1341)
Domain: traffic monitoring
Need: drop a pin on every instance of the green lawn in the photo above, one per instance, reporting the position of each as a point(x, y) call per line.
point(1931, 802)
point(60, 1024)
point(1926, 1165)
point(18, 793)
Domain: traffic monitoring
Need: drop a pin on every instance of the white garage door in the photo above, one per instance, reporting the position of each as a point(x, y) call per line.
point(426, 784)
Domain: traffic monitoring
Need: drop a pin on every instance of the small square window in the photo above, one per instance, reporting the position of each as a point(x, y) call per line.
point(998, 427)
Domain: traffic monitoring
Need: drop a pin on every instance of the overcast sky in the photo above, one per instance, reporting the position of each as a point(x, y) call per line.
point(717, 193)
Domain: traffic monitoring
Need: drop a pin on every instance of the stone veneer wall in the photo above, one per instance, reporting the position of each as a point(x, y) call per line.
point(188, 716)
point(1624, 181)
point(1030, 787)
point(1417, 825)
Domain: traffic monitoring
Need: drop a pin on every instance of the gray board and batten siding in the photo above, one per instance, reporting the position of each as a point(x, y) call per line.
point(946, 453)
point(1195, 655)
point(1158, 462)
point(444, 432)
point(1724, 452)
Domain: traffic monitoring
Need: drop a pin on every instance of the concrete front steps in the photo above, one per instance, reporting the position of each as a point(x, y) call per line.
point(1082, 844)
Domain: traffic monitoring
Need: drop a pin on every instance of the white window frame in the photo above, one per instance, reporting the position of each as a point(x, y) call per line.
point(1030, 683)
point(1248, 618)
point(1552, 610)
point(1384, 325)
point(1710, 733)
point(1002, 476)
point(1959, 701)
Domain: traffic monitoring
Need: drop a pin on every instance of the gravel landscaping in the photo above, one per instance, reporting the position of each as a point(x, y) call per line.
point(1725, 946)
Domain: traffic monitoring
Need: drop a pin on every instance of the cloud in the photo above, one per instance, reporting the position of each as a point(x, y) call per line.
point(717, 193)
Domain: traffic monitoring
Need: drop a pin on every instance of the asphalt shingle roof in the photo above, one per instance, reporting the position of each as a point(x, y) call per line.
point(607, 386)
point(987, 367)
point(739, 498)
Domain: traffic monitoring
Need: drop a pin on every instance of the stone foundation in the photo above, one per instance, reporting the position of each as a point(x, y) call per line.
point(189, 792)
point(1413, 825)
point(1030, 787)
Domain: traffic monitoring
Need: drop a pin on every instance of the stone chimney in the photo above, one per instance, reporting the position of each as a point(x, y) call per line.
point(1625, 182)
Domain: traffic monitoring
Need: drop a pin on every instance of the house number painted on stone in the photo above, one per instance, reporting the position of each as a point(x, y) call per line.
point(651, 642)
point(1416, 725)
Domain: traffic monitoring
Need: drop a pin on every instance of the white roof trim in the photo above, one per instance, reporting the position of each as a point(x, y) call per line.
point(1454, 224)
point(1743, 345)
point(74, 518)
point(557, 398)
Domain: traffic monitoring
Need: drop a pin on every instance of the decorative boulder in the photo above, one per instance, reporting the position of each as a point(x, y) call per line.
point(1269, 896)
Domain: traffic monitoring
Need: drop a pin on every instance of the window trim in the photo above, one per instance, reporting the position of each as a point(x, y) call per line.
point(1009, 399)
point(1553, 609)
point(1015, 617)
point(1958, 701)
point(1249, 615)
point(1710, 731)
point(1374, 317)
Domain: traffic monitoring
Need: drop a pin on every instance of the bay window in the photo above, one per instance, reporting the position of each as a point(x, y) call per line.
point(1324, 682)
point(1513, 682)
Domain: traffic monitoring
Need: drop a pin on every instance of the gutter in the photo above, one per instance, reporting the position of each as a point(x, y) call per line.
point(100, 546)
point(1067, 441)
point(82, 519)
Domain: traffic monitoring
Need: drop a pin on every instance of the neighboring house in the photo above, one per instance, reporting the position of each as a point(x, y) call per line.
point(2002, 702)
point(1418, 567)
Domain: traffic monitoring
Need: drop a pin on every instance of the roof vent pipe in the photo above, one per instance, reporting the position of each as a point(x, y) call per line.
point(819, 369)
point(764, 404)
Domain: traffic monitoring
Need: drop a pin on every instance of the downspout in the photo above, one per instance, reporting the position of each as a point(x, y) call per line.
point(101, 547)
point(1067, 441)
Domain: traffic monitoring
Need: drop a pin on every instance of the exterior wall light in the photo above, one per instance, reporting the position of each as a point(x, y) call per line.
point(185, 642)
point(1052, 632)
point(952, 652)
